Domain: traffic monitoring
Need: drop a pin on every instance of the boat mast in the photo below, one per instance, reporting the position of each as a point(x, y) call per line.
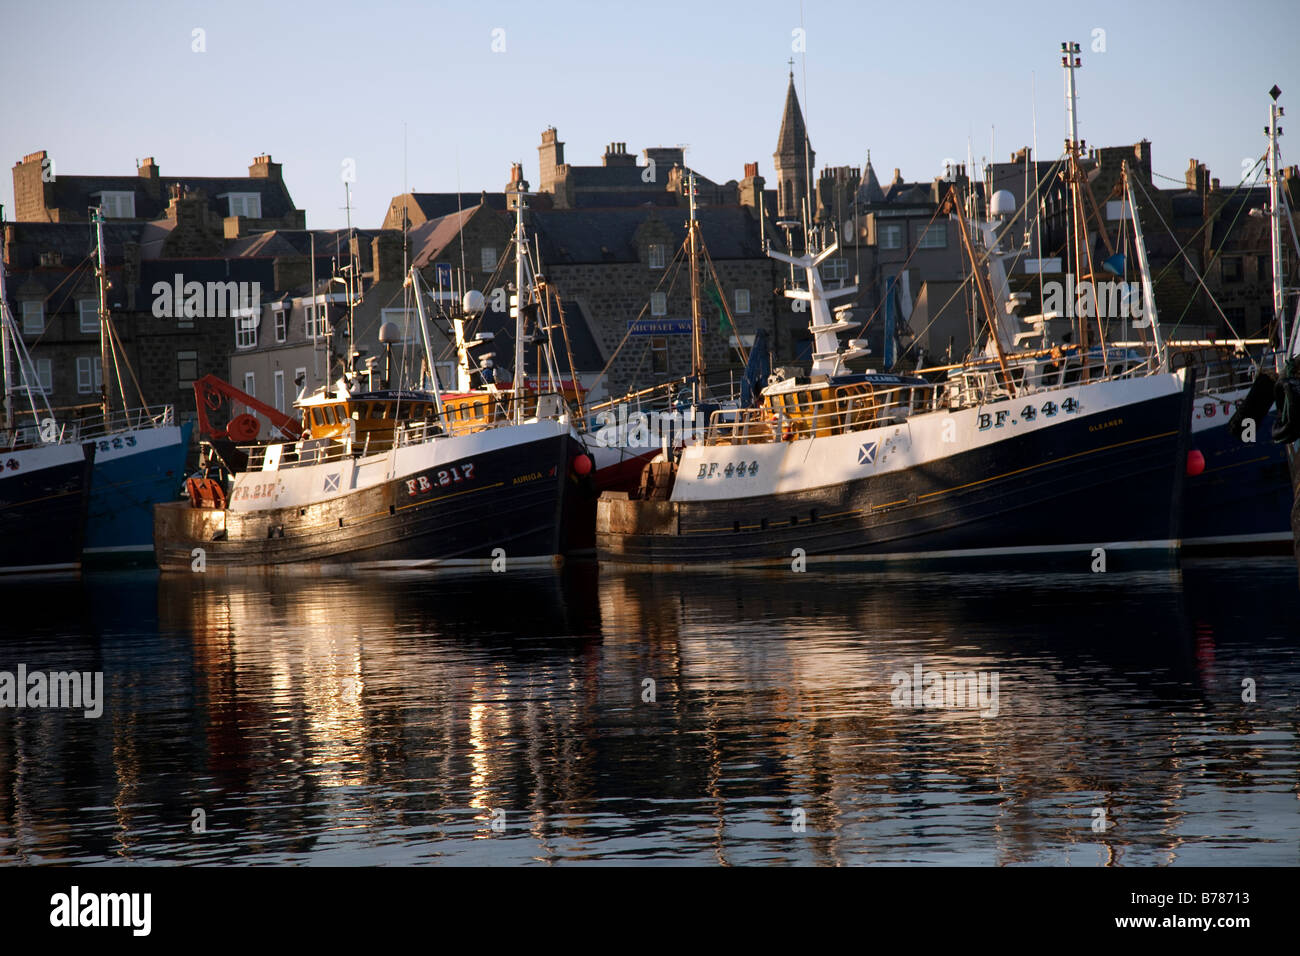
point(521, 246)
point(1144, 272)
point(1274, 131)
point(101, 273)
point(413, 278)
point(697, 344)
point(1070, 61)
point(7, 425)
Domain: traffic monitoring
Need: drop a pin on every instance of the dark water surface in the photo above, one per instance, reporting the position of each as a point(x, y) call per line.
point(387, 719)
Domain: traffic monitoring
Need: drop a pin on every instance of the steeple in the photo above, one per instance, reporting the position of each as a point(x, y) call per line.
point(870, 190)
point(794, 158)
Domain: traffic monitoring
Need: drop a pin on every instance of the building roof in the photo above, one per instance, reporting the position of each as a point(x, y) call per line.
point(608, 234)
point(76, 193)
point(429, 239)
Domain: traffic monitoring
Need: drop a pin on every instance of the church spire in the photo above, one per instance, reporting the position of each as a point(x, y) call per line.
point(794, 158)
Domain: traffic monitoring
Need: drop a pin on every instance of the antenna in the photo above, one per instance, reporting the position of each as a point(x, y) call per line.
point(1273, 132)
point(1071, 61)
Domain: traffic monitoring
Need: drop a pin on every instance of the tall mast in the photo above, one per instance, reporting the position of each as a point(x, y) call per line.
point(1070, 61)
point(521, 246)
point(1144, 271)
point(101, 271)
point(1275, 214)
point(352, 278)
point(4, 331)
point(697, 345)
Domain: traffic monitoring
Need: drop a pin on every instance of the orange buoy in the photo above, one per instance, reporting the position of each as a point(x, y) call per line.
point(1195, 462)
point(582, 465)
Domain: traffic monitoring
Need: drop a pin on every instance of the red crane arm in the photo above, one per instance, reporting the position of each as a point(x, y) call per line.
point(208, 394)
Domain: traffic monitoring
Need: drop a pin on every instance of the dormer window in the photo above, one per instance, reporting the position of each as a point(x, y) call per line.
point(248, 205)
point(656, 255)
point(246, 322)
point(117, 204)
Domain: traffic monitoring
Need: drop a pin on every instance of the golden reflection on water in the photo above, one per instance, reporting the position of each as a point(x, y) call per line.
point(413, 708)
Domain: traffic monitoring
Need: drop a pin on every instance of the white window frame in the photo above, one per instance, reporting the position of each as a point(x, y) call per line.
point(1118, 209)
point(117, 204)
point(487, 258)
point(281, 326)
point(91, 324)
point(305, 381)
point(836, 269)
point(278, 389)
point(658, 303)
point(655, 254)
point(742, 303)
point(250, 384)
point(246, 322)
point(935, 236)
point(44, 376)
point(90, 375)
point(33, 319)
point(887, 230)
point(248, 205)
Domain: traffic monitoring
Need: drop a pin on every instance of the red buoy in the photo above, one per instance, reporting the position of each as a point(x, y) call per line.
point(582, 465)
point(1195, 462)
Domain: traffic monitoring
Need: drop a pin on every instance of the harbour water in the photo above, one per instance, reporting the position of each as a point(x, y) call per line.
point(586, 716)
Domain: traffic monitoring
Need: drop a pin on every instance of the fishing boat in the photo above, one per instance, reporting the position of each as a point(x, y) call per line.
point(1071, 453)
point(1237, 499)
point(45, 474)
point(1281, 393)
point(386, 478)
point(139, 451)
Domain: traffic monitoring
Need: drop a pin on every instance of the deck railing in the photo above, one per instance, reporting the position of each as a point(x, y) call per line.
point(846, 411)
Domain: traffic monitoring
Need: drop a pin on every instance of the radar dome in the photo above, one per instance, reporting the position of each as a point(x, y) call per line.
point(473, 302)
point(389, 333)
point(1004, 204)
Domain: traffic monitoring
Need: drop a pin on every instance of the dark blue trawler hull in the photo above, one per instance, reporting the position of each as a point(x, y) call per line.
point(43, 512)
point(1241, 502)
point(1045, 499)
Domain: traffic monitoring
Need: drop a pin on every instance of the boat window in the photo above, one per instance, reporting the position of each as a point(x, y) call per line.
point(361, 411)
point(317, 419)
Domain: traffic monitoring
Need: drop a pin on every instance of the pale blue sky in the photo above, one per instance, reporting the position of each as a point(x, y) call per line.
point(102, 83)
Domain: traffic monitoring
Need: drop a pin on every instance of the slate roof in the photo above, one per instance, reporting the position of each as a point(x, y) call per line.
point(437, 205)
point(75, 193)
point(609, 234)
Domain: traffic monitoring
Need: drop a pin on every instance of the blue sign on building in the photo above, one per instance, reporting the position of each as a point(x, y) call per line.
point(660, 327)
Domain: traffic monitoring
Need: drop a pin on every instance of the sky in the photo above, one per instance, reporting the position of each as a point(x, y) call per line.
point(446, 95)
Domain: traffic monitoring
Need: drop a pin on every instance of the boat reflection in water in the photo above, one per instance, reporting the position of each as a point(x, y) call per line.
point(399, 718)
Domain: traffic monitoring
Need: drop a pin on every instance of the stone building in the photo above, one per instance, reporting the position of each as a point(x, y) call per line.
point(239, 204)
point(175, 285)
